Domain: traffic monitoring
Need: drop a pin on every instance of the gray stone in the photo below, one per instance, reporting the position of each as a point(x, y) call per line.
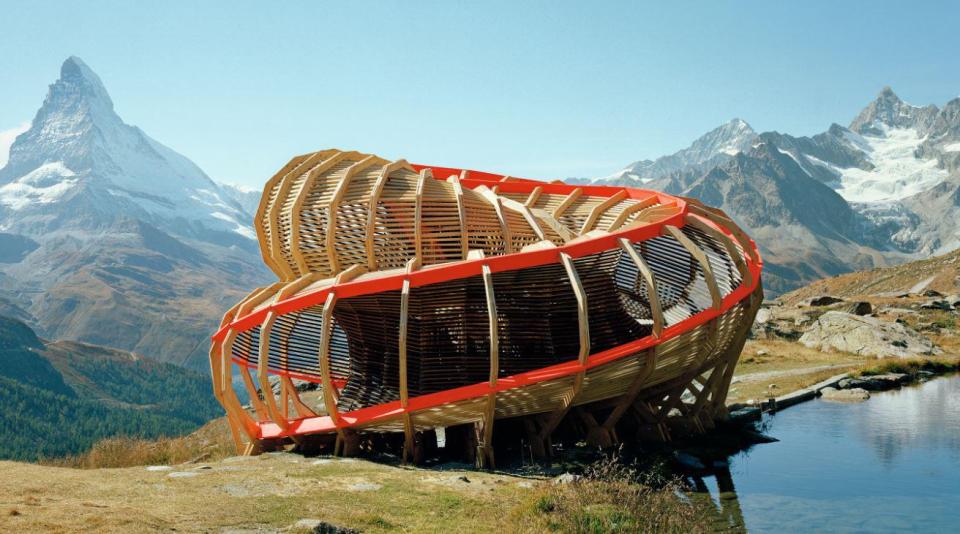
point(859, 308)
point(566, 478)
point(875, 382)
point(846, 395)
point(868, 336)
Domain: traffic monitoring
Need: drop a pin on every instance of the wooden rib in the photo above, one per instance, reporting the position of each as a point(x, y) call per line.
point(583, 321)
point(418, 214)
point(655, 310)
point(332, 213)
point(461, 213)
point(232, 403)
point(727, 243)
point(490, 408)
point(534, 196)
point(558, 227)
point(600, 209)
point(274, 215)
point(329, 396)
point(273, 409)
point(372, 208)
point(697, 253)
point(491, 197)
point(630, 210)
point(262, 208)
point(567, 202)
point(297, 208)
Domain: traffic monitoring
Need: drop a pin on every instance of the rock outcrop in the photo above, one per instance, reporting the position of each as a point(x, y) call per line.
point(845, 332)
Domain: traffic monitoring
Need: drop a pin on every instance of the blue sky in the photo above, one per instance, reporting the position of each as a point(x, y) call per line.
point(534, 89)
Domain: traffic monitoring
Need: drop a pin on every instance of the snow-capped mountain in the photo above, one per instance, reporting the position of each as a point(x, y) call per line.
point(714, 147)
point(78, 145)
point(892, 178)
point(121, 241)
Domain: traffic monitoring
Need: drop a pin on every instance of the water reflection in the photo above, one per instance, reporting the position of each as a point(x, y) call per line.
point(888, 464)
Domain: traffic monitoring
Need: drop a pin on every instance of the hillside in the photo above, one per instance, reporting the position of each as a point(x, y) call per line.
point(939, 273)
point(59, 398)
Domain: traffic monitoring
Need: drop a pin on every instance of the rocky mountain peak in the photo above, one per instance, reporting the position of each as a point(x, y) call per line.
point(889, 111)
point(76, 75)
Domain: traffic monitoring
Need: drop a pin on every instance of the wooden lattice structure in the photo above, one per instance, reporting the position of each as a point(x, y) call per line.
point(421, 297)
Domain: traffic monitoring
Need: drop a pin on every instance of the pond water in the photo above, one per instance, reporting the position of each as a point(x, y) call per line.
point(889, 464)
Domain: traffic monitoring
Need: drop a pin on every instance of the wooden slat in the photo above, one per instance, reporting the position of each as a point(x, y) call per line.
point(534, 196)
point(296, 212)
point(373, 202)
point(285, 185)
point(334, 206)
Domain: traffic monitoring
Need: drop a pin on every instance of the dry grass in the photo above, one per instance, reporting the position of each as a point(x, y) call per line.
point(610, 497)
point(911, 366)
point(210, 442)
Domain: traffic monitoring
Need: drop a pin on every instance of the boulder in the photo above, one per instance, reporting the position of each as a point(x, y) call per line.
point(859, 308)
point(869, 336)
point(953, 301)
point(822, 300)
point(845, 395)
point(936, 304)
point(875, 382)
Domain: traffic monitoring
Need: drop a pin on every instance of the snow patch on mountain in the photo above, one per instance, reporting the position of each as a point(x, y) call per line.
point(44, 185)
point(898, 172)
point(955, 147)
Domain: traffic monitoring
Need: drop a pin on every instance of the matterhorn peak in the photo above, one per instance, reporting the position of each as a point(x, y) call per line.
point(75, 73)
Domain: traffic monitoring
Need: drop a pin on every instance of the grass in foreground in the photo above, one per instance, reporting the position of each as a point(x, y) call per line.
point(610, 497)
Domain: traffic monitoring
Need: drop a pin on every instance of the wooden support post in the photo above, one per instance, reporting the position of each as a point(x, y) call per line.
point(485, 456)
point(409, 430)
point(649, 358)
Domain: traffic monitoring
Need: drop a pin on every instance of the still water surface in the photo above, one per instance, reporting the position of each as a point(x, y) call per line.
point(889, 464)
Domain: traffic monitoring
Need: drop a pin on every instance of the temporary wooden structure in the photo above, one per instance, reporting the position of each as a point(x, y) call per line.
point(425, 297)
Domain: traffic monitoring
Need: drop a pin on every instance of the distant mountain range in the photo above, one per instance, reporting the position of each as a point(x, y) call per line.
point(110, 237)
point(882, 191)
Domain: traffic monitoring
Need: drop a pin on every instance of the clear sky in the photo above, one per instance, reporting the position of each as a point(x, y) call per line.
point(533, 89)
